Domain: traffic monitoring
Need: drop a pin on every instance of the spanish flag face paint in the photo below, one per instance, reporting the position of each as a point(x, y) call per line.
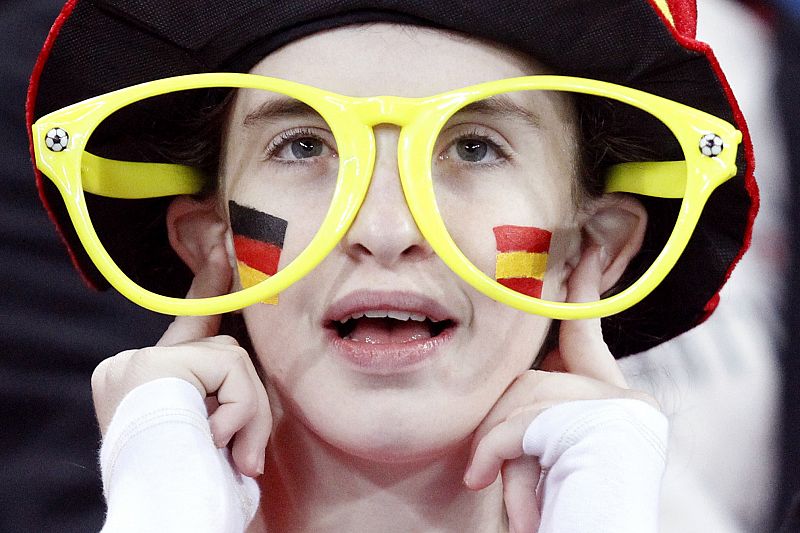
point(522, 258)
point(258, 241)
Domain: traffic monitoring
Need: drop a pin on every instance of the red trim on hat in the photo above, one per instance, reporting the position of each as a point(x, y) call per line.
point(684, 11)
point(30, 104)
point(708, 310)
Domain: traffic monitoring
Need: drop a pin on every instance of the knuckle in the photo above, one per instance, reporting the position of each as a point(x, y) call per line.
point(239, 356)
point(99, 375)
point(528, 378)
point(147, 353)
point(108, 368)
point(226, 339)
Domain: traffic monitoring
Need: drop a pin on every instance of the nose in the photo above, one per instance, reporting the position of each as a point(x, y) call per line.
point(384, 229)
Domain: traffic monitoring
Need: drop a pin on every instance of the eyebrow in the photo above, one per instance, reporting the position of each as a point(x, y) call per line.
point(278, 108)
point(501, 105)
point(284, 107)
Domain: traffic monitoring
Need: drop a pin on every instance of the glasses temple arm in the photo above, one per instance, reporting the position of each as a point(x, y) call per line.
point(662, 179)
point(134, 180)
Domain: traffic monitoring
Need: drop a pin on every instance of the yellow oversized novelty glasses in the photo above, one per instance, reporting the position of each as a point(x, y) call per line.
point(305, 160)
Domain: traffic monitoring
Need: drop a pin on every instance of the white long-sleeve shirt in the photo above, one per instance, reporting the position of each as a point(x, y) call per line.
point(602, 465)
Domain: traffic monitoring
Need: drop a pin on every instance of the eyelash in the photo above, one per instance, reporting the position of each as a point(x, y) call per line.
point(285, 137)
point(504, 154)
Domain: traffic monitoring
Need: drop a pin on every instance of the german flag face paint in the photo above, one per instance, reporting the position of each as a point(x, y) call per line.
point(258, 241)
point(522, 258)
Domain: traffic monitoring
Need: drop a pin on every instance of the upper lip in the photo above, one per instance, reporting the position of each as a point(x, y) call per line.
point(360, 301)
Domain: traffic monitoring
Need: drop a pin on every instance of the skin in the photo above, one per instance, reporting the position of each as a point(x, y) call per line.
point(416, 450)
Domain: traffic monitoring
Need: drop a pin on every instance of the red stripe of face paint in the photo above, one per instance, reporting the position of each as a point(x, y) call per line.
point(522, 239)
point(263, 256)
point(530, 286)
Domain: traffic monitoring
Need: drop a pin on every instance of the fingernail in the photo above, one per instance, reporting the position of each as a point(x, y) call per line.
point(468, 480)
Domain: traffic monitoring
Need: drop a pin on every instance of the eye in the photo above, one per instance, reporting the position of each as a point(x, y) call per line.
point(306, 147)
point(472, 150)
point(474, 147)
point(300, 144)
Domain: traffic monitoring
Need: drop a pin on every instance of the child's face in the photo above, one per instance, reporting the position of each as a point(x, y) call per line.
point(383, 388)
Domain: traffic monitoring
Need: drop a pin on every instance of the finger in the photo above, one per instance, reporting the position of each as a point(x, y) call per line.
point(240, 413)
point(581, 345)
point(502, 443)
point(520, 479)
point(213, 279)
point(250, 442)
point(223, 339)
point(521, 393)
point(238, 400)
point(211, 404)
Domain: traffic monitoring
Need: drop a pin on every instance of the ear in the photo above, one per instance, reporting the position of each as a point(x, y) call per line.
point(616, 223)
point(195, 227)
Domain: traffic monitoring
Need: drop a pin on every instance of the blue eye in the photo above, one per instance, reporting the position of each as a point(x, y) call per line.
point(472, 150)
point(306, 147)
point(301, 144)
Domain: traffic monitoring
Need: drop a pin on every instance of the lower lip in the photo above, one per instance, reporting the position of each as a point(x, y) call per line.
point(388, 358)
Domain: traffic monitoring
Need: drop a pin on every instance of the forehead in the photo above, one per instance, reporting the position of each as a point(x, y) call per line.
point(376, 59)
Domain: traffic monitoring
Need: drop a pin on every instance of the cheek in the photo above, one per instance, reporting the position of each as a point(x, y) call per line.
point(506, 343)
point(281, 195)
point(278, 333)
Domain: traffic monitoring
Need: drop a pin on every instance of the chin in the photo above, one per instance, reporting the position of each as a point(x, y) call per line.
point(390, 448)
point(391, 436)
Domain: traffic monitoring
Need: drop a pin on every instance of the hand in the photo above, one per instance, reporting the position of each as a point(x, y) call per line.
point(216, 365)
point(587, 370)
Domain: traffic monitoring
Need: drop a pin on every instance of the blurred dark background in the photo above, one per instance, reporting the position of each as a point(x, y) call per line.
point(53, 330)
point(786, 24)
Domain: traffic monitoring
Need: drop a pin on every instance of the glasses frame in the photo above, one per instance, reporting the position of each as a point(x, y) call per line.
point(351, 120)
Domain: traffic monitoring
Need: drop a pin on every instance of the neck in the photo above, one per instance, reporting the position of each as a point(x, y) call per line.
point(310, 486)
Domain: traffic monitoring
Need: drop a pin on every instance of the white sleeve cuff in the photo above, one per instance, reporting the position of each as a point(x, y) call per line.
point(602, 464)
point(161, 470)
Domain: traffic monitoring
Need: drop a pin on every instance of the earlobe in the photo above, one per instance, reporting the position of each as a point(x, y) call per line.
point(195, 227)
point(617, 226)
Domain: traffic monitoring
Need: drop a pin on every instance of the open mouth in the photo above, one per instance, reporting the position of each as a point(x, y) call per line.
point(387, 333)
point(389, 327)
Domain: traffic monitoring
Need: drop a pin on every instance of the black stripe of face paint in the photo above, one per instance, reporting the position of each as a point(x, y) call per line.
point(256, 224)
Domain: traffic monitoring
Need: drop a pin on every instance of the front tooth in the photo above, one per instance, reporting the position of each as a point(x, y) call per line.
point(399, 315)
point(376, 314)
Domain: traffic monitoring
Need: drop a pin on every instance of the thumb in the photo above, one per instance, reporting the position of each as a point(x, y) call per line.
point(581, 346)
point(213, 279)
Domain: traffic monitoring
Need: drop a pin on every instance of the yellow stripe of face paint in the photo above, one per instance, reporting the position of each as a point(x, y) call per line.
point(521, 265)
point(249, 276)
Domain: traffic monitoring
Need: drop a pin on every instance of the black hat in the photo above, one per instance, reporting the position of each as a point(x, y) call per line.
point(96, 46)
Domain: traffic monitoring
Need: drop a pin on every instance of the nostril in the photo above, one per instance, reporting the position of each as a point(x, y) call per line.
point(417, 251)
